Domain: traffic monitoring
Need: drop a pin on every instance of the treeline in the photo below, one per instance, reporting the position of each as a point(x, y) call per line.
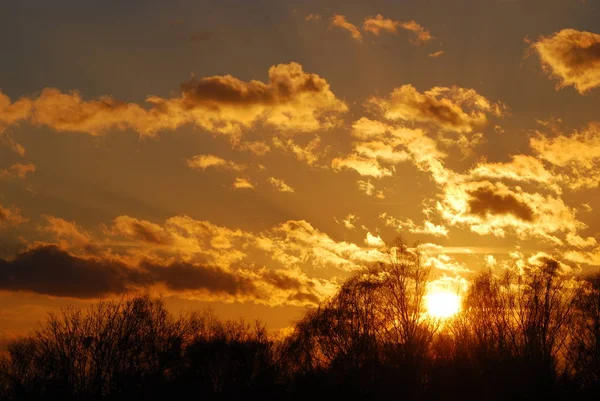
point(524, 333)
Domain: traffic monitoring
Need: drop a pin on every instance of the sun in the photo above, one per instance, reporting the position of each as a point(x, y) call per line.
point(442, 304)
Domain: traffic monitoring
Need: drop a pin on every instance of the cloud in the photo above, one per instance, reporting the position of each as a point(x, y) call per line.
point(369, 189)
point(184, 257)
point(13, 112)
point(279, 185)
point(68, 233)
point(144, 231)
point(522, 168)
point(373, 241)
point(377, 24)
point(572, 57)
point(381, 143)
point(590, 258)
point(436, 54)
point(11, 216)
point(576, 156)
point(495, 208)
point(259, 148)
point(7, 141)
point(242, 183)
point(341, 22)
point(17, 170)
point(292, 100)
point(203, 162)
point(407, 225)
point(484, 201)
point(349, 221)
point(445, 263)
point(422, 34)
point(308, 153)
point(579, 242)
point(362, 165)
point(452, 109)
point(51, 271)
point(297, 242)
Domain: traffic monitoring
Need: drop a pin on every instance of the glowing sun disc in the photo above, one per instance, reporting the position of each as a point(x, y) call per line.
point(443, 304)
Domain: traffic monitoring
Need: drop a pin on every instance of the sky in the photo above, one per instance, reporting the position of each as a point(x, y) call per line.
point(248, 156)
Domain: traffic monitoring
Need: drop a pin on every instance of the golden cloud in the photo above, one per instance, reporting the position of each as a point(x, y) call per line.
point(493, 208)
point(452, 109)
point(407, 225)
point(377, 24)
point(572, 57)
point(292, 100)
point(186, 257)
point(298, 242)
point(203, 162)
point(382, 143)
point(242, 183)
point(13, 112)
point(341, 22)
point(369, 189)
point(374, 241)
point(423, 35)
point(308, 153)
point(11, 216)
point(364, 166)
point(18, 170)
point(6, 140)
point(280, 185)
point(522, 168)
point(577, 156)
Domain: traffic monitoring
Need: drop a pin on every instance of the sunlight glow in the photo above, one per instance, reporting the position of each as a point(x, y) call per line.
point(442, 304)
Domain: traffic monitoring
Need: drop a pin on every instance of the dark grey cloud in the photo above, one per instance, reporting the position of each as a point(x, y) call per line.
point(51, 271)
point(485, 201)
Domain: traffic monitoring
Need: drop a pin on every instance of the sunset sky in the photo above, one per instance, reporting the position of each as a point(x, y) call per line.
point(250, 155)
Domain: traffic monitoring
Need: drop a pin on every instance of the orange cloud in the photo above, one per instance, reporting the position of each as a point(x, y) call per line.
point(341, 22)
point(257, 147)
point(572, 57)
point(292, 100)
point(369, 189)
point(11, 216)
point(68, 233)
point(377, 24)
point(522, 168)
point(381, 143)
point(408, 225)
point(242, 183)
point(494, 208)
point(280, 185)
point(452, 109)
point(423, 35)
point(436, 54)
point(6, 140)
point(17, 170)
point(309, 153)
point(186, 257)
point(362, 165)
point(576, 156)
point(13, 112)
point(203, 162)
point(374, 241)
